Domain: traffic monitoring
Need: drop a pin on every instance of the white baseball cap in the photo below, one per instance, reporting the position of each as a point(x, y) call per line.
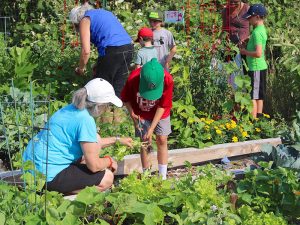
point(101, 91)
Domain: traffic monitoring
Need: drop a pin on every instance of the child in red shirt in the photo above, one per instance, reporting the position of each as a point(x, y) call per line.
point(148, 97)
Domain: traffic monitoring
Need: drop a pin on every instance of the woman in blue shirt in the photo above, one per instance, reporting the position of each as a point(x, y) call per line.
point(113, 43)
point(73, 145)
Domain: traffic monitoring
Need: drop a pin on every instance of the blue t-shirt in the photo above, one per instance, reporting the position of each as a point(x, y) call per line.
point(68, 127)
point(106, 30)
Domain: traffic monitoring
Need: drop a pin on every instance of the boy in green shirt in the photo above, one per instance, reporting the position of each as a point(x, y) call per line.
point(255, 55)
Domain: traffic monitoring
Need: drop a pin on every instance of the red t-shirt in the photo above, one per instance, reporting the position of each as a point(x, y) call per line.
point(146, 109)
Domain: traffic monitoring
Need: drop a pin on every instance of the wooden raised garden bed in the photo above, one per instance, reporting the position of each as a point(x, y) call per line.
point(178, 157)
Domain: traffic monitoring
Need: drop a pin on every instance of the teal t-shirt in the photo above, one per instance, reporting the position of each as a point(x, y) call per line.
point(145, 54)
point(258, 37)
point(68, 127)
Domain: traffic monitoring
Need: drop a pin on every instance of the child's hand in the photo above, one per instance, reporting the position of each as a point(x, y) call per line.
point(148, 136)
point(135, 119)
point(243, 51)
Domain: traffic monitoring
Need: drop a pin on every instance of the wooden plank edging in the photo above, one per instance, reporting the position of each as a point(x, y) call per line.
point(177, 157)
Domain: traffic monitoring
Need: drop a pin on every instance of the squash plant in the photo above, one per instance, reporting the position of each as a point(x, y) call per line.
point(143, 199)
point(271, 190)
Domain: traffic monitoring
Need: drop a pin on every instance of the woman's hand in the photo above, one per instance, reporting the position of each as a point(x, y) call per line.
point(79, 71)
point(114, 166)
point(126, 141)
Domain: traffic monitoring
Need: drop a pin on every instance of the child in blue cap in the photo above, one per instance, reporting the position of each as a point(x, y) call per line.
point(255, 56)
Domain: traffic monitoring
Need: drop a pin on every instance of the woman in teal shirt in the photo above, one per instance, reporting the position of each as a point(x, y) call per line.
point(73, 145)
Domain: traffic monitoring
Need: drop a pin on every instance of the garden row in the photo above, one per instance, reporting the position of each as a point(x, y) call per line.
point(211, 196)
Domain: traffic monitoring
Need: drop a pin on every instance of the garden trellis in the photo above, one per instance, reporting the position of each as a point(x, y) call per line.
point(4, 26)
point(22, 116)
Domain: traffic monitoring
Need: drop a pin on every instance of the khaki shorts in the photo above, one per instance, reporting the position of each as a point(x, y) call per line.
point(163, 128)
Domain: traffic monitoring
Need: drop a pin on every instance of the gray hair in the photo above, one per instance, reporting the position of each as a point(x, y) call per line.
point(80, 101)
point(81, 11)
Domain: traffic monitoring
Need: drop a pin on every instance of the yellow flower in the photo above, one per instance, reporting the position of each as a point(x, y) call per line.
point(245, 134)
point(209, 121)
point(235, 139)
point(233, 124)
point(218, 131)
point(222, 126)
point(228, 126)
point(206, 127)
point(202, 119)
point(266, 115)
point(258, 129)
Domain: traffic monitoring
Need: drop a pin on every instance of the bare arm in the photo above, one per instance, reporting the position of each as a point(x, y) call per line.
point(104, 142)
point(255, 54)
point(130, 110)
point(133, 116)
point(84, 29)
point(171, 55)
point(158, 114)
point(91, 157)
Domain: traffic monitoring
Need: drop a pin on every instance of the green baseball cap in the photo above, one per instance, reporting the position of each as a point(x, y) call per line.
point(156, 15)
point(152, 80)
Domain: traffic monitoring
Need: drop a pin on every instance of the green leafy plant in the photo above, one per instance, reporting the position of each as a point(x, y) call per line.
point(23, 66)
point(281, 155)
point(271, 190)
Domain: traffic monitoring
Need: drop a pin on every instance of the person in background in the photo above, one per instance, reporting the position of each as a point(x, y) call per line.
point(255, 53)
point(238, 31)
point(114, 45)
point(148, 97)
point(73, 145)
point(234, 24)
point(147, 52)
point(163, 39)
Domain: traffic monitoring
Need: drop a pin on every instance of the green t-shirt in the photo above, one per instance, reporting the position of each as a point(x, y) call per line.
point(258, 37)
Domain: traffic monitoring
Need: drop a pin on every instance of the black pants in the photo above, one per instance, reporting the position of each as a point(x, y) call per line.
point(75, 177)
point(114, 66)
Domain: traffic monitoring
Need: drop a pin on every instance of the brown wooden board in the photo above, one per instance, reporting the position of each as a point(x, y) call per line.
point(178, 157)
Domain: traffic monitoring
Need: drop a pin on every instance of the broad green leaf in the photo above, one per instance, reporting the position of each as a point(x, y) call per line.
point(71, 219)
point(90, 195)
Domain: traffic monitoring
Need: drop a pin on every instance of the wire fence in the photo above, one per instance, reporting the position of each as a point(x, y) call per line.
point(22, 116)
point(4, 26)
